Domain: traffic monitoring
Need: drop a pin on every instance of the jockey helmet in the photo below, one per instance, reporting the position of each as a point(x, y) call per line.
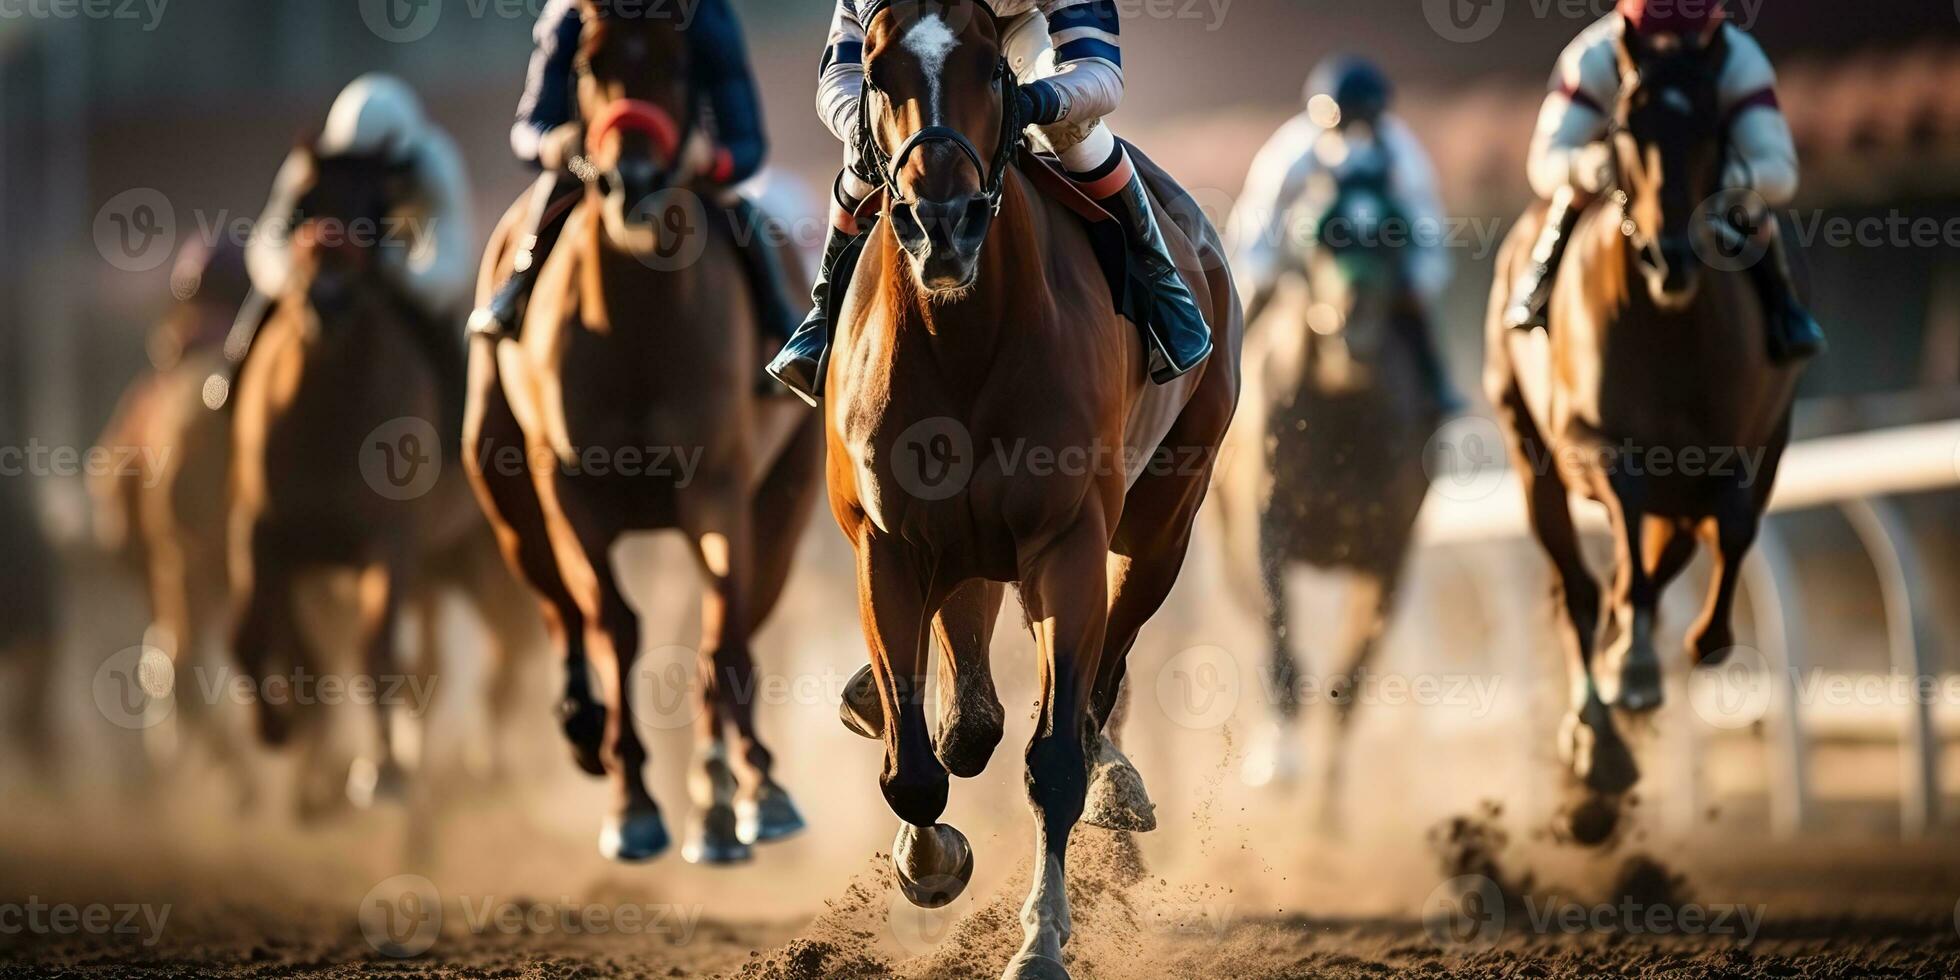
point(377, 113)
point(1686, 18)
point(1351, 85)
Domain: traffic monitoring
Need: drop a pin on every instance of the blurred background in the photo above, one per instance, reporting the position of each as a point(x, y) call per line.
point(196, 102)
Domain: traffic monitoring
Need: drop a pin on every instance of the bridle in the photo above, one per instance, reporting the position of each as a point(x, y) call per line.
point(881, 169)
point(640, 116)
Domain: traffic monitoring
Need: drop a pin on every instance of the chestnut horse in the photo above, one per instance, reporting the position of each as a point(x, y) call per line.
point(346, 501)
point(962, 339)
point(1653, 393)
point(638, 351)
point(1341, 422)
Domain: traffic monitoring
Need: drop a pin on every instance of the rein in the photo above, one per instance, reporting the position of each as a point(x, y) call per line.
point(881, 169)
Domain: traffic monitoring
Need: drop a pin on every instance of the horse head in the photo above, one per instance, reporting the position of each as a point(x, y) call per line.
point(636, 98)
point(342, 219)
point(1667, 141)
point(1356, 273)
point(938, 123)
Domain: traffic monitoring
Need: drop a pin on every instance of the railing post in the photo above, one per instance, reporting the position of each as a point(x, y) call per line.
point(1914, 642)
point(1776, 606)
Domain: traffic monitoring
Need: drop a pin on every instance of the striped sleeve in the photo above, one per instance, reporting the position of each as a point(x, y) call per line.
point(1084, 30)
point(840, 77)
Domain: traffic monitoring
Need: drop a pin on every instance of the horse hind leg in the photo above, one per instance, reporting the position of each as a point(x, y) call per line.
point(1729, 534)
point(1275, 755)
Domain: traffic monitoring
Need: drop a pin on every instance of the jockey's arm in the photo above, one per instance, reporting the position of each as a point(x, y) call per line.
point(1258, 231)
point(437, 266)
point(722, 68)
point(269, 253)
point(1413, 179)
point(840, 81)
point(547, 102)
point(1762, 151)
point(1566, 149)
point(1088, 77)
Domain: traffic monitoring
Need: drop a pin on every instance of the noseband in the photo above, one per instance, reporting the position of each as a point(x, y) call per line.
point(640, 116)
point(881, 169)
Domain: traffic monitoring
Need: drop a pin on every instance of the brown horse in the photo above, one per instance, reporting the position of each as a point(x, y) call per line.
point(639, 350)
point(962, 339)
point(346, 502)
point(164, 514)
point(1342, 423)
point(1653, 394)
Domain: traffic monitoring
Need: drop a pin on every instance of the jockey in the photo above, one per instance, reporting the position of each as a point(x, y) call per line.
point(1065, 98)
point(430, 259)
point(549, 136)
point(1348, 100)
point(1570, 164)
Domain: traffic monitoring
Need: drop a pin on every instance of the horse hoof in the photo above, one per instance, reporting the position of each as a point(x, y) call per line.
point(861, 711)
point(767, 816)
point(712, 838)
point(634, 838)
point(1597, 755)
point(584, 725)
point(1640, 688)
point(923, 848)
point(1591, 821)
point(1032, 966)
point(1117, 799)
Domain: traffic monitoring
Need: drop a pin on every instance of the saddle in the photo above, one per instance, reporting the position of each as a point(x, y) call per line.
point(1106, 236)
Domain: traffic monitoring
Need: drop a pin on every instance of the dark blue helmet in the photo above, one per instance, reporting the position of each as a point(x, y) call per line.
point(1357, 86)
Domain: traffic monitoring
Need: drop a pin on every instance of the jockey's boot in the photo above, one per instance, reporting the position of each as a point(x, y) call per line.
point(1180, 339)
point(1430, 366)
point(775, 320)
point(800, 365)
point(1531, 296)
point(550, 204)
point(1794, 335)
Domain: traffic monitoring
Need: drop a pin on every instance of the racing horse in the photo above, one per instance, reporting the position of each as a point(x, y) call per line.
point(641, 336)
point(1652, 394)
point(344, 507)
point(1341, 425)
point(979, 319)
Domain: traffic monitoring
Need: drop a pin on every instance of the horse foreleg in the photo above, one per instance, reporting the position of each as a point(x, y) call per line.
point(933, 861)
point(1629, 675)
point(971, 720)
point(1067, 595)
point(1729, 534)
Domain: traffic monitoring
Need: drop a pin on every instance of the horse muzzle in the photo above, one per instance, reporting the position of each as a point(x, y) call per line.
point(943, 240)
point(1672, 270)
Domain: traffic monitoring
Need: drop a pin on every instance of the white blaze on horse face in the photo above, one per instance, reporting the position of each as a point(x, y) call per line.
point(931, 41)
